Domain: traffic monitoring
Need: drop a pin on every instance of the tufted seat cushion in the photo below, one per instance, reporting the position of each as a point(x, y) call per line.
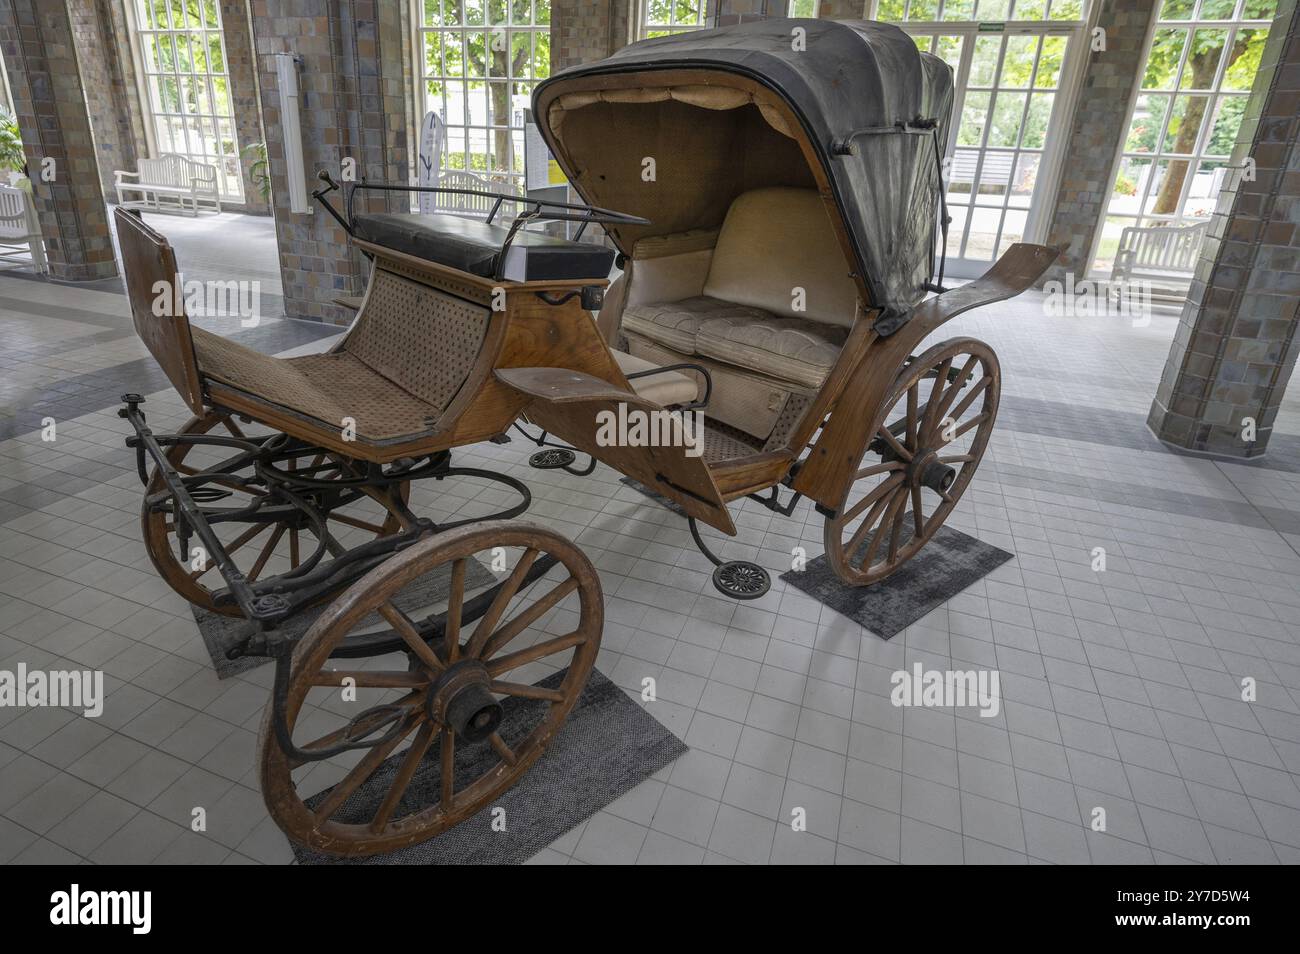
point(675, 324)
point(788, 349)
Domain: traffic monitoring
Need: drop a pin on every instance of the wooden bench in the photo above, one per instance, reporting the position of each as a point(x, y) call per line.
point(20, 231)
point(1158, 251)
point(170, 183)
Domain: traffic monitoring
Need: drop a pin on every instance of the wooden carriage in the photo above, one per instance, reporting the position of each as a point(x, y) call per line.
point(774, 269)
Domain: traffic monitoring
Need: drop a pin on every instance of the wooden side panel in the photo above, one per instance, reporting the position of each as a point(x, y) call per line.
point(566, 403)
point(148, 259)
point(828, 471)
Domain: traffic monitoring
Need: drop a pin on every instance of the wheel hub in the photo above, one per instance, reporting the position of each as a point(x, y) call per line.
point(926, 470)
point(460, 698)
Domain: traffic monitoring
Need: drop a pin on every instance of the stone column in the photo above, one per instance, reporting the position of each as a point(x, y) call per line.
point(110, 88)
point(242, 68)
point(1236, 344)
point(841, 9)
point(1097, 129)
point(39, 49)
point(587, 30)
point(353, 107)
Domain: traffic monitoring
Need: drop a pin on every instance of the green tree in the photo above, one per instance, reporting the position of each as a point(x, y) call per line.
point(1198, 74)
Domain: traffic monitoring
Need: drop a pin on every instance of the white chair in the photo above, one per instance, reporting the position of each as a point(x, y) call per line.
point(169, 183)
point(21, 242)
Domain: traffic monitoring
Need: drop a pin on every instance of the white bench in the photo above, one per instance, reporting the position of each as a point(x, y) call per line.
point(169, 183)
point(21, 242)
point(1157, 251)
point(471, 206)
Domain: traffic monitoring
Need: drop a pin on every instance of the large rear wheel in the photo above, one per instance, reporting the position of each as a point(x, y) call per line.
point(926, 441)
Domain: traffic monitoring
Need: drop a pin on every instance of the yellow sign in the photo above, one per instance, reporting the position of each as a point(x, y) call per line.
point(553, 174)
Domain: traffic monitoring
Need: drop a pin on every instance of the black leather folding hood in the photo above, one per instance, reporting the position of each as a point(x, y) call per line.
point(873, 107)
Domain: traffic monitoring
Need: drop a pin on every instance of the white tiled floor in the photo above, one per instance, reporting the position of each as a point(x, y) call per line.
point(1121, 690)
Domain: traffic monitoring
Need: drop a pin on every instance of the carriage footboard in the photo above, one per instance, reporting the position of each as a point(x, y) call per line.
point(590, 413)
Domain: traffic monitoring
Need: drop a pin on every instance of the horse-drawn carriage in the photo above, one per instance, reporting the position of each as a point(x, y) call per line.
point(779, 192)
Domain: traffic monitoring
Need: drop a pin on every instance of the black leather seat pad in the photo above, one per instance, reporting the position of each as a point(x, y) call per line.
point(473, 246)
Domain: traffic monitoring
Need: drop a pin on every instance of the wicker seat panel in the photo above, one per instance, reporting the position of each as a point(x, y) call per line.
point(324, 387)
point(423, 340)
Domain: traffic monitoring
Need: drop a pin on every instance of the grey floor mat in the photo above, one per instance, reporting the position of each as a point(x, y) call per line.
point(221, 632)
point(608, 746)
point(946, 565)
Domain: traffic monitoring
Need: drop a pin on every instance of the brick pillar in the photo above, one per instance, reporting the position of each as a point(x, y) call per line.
point(110, 88)
point(242, 67)
point(1236, 344)
point(39, 46)
point(587, 30)
point(1099, 125)
point(353, 107)
point(841, 10)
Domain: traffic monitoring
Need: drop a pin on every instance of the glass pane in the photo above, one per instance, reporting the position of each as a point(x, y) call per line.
point(1030, 9)
point(1111, 231)
point(1040, 112)
point(1026, 176)
point(995, 177)
point(433, 12)
point(924, 10)
point(974, 114)
point(221, 97)
point(473, 12)
point(1018, 61)
point(959, 10)
point(1130, 185)
point(993, 9)
point(1145, 125)
point(984, 62)
point(949, 50)
point(1165, 189)
point(1259, 9)
point(1166, 54)
point(1013, 228)
point(216, 59)
point(983, 232)
point(961, 174)
point(1217, 9)
point(1067, 10)
point(1185, 121)
point(1008, 115)
point(1177, 9)
point(1243, 59)
point(1049, 63)
point(956, 230)
point(1203, 59)
point(890, 11)
point(1227, 121)
point(1204, 190)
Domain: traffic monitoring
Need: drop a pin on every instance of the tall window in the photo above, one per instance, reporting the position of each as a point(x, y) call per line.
point(1009, 61)
point(183, 57)
point(482, 59)
point(662, 17)
point(1203, 58)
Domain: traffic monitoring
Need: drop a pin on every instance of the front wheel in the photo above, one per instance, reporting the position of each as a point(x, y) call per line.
point(454, 721)
point(919, 461)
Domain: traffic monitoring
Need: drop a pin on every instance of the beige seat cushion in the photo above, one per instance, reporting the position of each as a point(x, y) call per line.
point(775, 241)
point(665, 388)
point(788, 349)
point(676, 323)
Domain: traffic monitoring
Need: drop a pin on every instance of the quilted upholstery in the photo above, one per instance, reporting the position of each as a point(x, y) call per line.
point(788, 349)
point(676, 323)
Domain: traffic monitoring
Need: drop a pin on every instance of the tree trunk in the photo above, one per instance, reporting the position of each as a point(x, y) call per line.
point(1203, 67)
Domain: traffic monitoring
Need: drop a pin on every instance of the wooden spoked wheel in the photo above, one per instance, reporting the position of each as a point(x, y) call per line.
point(258, 549)
point(926, 442)
point(453, 721)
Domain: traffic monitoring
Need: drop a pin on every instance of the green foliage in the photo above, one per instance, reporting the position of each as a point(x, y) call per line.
point(12, 157)
point(259, 169)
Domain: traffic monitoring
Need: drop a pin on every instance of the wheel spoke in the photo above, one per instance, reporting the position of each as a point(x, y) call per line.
point(374, 757)
point(294, 556)
point(414, 756)
point(504, 595)
point(371, 678)
point(523, 620)
point(884, 467)
point(455, 600)
point(358, 729)
point(913, 397)
point(936, 395)
point(526, 692)
point(896, 528)
point(918, 520)
point(892, 441)
point(977, 419)
point(537, 651)
point(499, 746)
point(955, 388)
point(876, 493)
point(975, 391)
point(895, 504)
point(868, 522)
point(360, 524)
point(234, 428)
point(266, 553)
point(410, 635)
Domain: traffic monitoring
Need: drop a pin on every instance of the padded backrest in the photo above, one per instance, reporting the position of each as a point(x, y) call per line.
point(777, 240)
point(157, 310)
